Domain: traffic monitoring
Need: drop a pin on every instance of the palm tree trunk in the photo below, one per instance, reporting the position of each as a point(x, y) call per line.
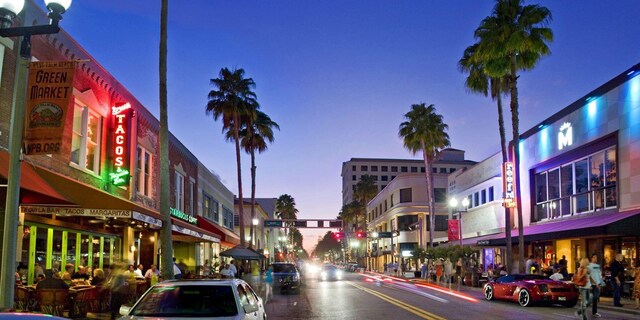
point(508, 261)
point(253, 197)
point(516, 159)
point(427, 173)
point(166, 244)
point(236, 126)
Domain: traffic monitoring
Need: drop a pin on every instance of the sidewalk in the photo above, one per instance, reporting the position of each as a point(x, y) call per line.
point(605, 303)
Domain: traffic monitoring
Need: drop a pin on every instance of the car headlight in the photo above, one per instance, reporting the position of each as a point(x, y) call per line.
point(323, 274)
point(339, 273)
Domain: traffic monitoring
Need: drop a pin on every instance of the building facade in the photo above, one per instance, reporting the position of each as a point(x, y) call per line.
point(579, 180)
point(402, 207)
point(96, 201)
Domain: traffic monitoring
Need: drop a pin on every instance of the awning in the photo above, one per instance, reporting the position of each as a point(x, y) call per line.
point(225, 234)
point(34, 189)
point(194, 231)
point(615, 223)
point(87, 196)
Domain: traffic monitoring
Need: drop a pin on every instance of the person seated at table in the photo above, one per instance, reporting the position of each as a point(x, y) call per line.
point(556, 276)
point(39, 278)
point(138, 271)
point(152, 272)
point(20, 272)
point(51, 281)
point(226, 272)
point(66, 274)
point(130, 273)
point(98, 277)
point(80, 274)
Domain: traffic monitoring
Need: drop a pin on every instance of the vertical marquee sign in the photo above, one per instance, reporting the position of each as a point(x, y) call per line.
point(509, 179)
point(121, 114)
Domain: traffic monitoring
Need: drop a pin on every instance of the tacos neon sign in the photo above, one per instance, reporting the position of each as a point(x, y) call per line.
point(121, 114)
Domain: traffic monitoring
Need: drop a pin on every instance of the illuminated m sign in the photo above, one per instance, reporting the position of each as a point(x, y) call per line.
point(120, 175)
point(509, 179)
point(565, 136)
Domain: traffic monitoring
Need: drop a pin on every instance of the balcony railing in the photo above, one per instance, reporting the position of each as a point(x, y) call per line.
point(584, 202)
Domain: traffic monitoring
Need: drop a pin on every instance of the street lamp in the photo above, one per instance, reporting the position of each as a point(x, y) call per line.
point(453, 203)
point(8, 11)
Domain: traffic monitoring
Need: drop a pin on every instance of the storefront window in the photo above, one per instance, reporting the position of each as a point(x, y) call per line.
point(583, 186)
point(71, 248)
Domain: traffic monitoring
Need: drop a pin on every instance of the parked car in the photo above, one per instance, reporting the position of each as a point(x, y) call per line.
point(330, 272)
point(187, 299)
point(286, 277)
point(27, 316)
point(529, 289)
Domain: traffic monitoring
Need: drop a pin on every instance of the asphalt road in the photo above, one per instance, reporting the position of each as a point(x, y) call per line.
point(360, 296)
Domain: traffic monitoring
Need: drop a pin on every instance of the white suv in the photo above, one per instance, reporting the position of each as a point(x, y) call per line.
point(190, 299)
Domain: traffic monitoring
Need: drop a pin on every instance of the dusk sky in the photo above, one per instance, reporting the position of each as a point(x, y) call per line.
point(338, 76)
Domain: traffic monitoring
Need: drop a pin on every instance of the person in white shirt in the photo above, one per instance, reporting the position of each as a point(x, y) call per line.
point(556, 276)
point(226, 272)
point(177, 274)
point(151, 272)
point(138, 271)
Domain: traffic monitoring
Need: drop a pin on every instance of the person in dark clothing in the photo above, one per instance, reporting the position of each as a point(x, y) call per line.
point(80, 274)
point(617, 278)
point(118, 287)
point(51, 281)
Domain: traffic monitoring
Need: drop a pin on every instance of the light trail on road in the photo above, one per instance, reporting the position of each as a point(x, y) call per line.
point(400, 304)
point(385, 278)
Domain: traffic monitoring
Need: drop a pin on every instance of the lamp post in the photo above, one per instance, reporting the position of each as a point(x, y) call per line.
point(8, 11)
point(453, 203)
point(255, 222)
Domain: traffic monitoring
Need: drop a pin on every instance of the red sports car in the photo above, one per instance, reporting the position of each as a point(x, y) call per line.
point(528, 289)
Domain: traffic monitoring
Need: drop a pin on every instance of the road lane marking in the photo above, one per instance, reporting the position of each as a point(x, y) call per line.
point(403, 305)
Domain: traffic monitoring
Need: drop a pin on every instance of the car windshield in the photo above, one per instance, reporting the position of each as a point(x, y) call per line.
point(187, 301)
point(284, 268)
point(329, 268)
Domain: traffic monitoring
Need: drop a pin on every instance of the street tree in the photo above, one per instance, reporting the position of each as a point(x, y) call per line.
point(514, 37)
point(424, 130)
point(166, 244)
point(286, 210)
point(478, 81)
point(257, 131)
point(231, 100)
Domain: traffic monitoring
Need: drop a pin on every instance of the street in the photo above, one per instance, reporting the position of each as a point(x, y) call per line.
point(361, 296)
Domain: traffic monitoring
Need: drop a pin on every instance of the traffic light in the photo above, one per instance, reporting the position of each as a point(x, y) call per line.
point(361, 234)
point(338, 235)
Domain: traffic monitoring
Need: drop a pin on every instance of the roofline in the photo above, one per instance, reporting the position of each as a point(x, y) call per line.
point(598, 92)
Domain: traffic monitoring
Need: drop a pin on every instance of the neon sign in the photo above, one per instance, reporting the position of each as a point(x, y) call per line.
point(565, 136)
point(183, 216)
point(508, 178)
point(120, 176)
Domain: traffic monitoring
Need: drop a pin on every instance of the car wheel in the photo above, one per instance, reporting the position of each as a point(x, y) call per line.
point(488, 292)
point(524, 298)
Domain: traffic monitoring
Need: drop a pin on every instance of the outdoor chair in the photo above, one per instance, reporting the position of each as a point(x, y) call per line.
point(52, 301)
point(21, 299)
point(86, 299)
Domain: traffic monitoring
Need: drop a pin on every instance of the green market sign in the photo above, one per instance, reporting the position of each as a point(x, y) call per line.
point(183, 216)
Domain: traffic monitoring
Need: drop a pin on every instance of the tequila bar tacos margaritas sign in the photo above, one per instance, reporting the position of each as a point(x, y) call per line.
point(66, 211)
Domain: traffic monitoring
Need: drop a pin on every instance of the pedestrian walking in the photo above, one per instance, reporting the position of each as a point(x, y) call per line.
point(581, 281)
point(423, 270)
point(119, 289)
point(268, 287)
point(595, 276)
point(448, 271)
point(617, 278)
point(438, 271)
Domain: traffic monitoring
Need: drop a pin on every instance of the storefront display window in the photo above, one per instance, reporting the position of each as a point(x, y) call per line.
point(52, 248)
point(582, 186)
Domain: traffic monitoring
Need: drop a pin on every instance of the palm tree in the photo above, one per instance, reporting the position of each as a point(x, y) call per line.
point(232, 99)
point(424, 130)
point(254, 136)
point(366, 189)
point(165, 232)
point(514, 38)
point(286, 210)
point(478, 81)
